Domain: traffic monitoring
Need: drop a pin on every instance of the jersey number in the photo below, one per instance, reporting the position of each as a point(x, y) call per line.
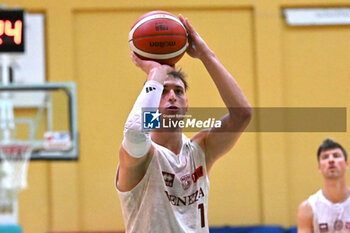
point(201, 208)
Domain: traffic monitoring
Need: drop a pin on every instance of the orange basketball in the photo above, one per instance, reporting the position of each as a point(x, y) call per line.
point(159, 36)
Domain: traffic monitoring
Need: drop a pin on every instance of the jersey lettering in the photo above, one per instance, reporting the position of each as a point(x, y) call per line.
point(186, 200)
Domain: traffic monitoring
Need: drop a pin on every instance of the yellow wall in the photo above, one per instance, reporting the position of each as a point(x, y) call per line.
point(262, 180)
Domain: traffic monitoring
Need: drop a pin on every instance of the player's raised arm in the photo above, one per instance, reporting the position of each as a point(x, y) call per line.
point(136, 149)
point(213, 142)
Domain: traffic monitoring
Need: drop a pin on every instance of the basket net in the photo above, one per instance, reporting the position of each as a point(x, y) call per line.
point(14, 165)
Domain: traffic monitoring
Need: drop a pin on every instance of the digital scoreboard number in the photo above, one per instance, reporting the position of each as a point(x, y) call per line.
point(11, 31)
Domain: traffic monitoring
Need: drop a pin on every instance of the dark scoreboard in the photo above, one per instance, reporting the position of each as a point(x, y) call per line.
point(11, 31)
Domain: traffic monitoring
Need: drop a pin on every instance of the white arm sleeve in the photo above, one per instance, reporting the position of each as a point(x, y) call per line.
point(137, 141)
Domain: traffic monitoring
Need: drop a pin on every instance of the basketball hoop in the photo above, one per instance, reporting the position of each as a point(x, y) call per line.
point(14, 157)
point(14, 164)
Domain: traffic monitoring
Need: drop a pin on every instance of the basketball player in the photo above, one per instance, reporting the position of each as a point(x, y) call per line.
point(328, 210)
point(162, 179)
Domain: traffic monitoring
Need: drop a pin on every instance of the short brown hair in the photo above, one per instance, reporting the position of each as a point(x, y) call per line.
point(179, 75)
point(330, 144)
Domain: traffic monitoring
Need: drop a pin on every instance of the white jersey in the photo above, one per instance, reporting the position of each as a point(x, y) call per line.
point(173, 194)
point(329, 217)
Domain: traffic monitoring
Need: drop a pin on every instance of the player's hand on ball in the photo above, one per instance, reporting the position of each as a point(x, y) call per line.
point(197, 47)
point(153, 69)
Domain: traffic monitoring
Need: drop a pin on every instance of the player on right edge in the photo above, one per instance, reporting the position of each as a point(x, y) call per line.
point(162, 178)
point(328, 210)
